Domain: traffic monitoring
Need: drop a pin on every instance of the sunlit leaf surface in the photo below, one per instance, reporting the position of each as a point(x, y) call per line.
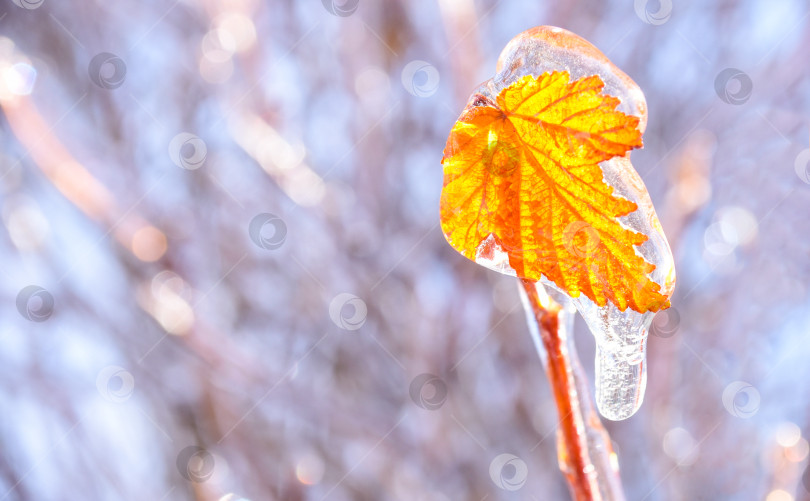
point(522, 173)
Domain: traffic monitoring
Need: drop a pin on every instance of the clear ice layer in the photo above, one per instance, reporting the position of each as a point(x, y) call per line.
point(621, 336)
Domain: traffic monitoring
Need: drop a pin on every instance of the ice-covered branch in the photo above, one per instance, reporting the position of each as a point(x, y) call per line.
point(584, 448)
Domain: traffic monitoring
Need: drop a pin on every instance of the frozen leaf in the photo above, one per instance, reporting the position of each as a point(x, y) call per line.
point(525, 170)
point(538, 184)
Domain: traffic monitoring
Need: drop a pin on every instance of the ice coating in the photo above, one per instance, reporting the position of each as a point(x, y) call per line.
point(621, 336)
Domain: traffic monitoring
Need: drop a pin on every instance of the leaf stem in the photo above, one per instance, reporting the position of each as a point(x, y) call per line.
point(584, 449)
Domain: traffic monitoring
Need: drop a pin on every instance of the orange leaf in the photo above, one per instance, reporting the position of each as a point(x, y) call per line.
point(523, 173)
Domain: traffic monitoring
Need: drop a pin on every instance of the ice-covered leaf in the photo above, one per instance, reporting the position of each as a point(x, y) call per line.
point(539, 184)
point(524, 169)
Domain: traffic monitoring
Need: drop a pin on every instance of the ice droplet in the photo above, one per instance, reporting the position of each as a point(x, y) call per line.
point(621, 336)
point(491, 255)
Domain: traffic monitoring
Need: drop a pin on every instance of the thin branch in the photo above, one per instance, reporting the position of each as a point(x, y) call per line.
point(584, 448)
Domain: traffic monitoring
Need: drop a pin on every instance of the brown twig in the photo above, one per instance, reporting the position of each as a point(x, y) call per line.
point(584, 449)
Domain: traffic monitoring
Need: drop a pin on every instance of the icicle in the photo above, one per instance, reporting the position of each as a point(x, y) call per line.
point(621, 366)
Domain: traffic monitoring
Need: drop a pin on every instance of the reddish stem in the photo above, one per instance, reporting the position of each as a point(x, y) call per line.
point(580, 434)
